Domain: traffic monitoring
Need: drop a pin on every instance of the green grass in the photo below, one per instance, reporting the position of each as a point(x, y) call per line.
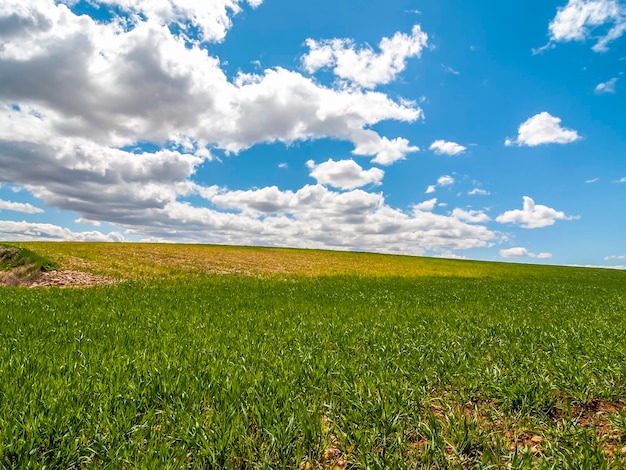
point(13, 257)
point(514, 367)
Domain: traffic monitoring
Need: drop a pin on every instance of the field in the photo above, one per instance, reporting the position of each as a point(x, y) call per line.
point(224, 357)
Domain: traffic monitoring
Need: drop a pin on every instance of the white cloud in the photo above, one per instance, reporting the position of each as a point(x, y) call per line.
point(621, 180)
point(606, 87)
point(19, 231)
point(517, 252)
point(478, 192)
point(95, 181)
point(317, 217)
point(426, 206)
point(541, 129)
point(344, 174)
point(82, 221)
point(533, 215)
point(296, 108)
point(111, 86)
point(442, 181)
point(595, 266)
point(620, 257)
point(445, 180)
point(520, 252)
point(579, 19)
point(19, 207)
point(450, 255)
point(441, 147)
point(593, 180)
point(211, 18)
point(283, 165)
point(471, 216)
point(386, 151)
point(364, 67)
point(117, 87)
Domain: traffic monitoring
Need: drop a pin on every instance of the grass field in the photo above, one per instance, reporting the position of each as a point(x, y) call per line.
point(224, 357)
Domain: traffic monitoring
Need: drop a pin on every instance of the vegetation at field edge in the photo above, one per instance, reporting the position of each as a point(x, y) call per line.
point(18, 263)
point(181, 367)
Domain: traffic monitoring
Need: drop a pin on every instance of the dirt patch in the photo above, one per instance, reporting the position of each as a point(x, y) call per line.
point(332, 457)
point(55, 279)
point(598, 415)
point(601, 417)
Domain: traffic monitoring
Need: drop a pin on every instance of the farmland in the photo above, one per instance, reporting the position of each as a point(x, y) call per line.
point(226, 357)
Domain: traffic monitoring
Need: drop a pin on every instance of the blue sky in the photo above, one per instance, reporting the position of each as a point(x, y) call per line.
point(483, 130)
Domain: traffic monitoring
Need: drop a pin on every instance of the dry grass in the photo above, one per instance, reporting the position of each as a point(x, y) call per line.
point(148, 261)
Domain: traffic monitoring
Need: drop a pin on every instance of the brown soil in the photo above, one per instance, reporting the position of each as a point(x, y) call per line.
point(55, 279)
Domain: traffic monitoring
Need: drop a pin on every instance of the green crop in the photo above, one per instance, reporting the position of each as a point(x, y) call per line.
point(514, 367)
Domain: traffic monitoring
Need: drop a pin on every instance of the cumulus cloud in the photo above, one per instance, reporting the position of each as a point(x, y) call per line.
point(212, 19)
point(19, 207)
point(471, 216)
point(580, 19)
point(441, 147)
point(315, 216)
point(363, 66)
point(541, 129)
point(312, 198)
point(75, 139)
point(387, 151)
point(606, 87)
point(344, 174)
point(22, 231)
point(520, 252)
point(95, 181)
point(426, 206)
point(82, 221)
point(295, 108)
point(117, 87)
point(533, 215)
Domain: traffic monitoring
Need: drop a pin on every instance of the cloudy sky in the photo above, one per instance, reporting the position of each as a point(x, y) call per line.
point(485, 129)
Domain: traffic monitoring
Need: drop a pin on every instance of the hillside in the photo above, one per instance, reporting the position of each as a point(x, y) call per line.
point(153, 261)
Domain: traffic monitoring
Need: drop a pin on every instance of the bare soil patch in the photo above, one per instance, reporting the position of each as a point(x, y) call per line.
point(54, 279)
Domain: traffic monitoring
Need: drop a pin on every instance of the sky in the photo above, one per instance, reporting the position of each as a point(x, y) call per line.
point(483, 130)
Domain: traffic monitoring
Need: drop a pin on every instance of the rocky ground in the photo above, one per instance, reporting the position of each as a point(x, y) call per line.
point(55, 279)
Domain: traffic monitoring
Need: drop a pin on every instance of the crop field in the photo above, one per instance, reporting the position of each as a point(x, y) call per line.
point(248, 358)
